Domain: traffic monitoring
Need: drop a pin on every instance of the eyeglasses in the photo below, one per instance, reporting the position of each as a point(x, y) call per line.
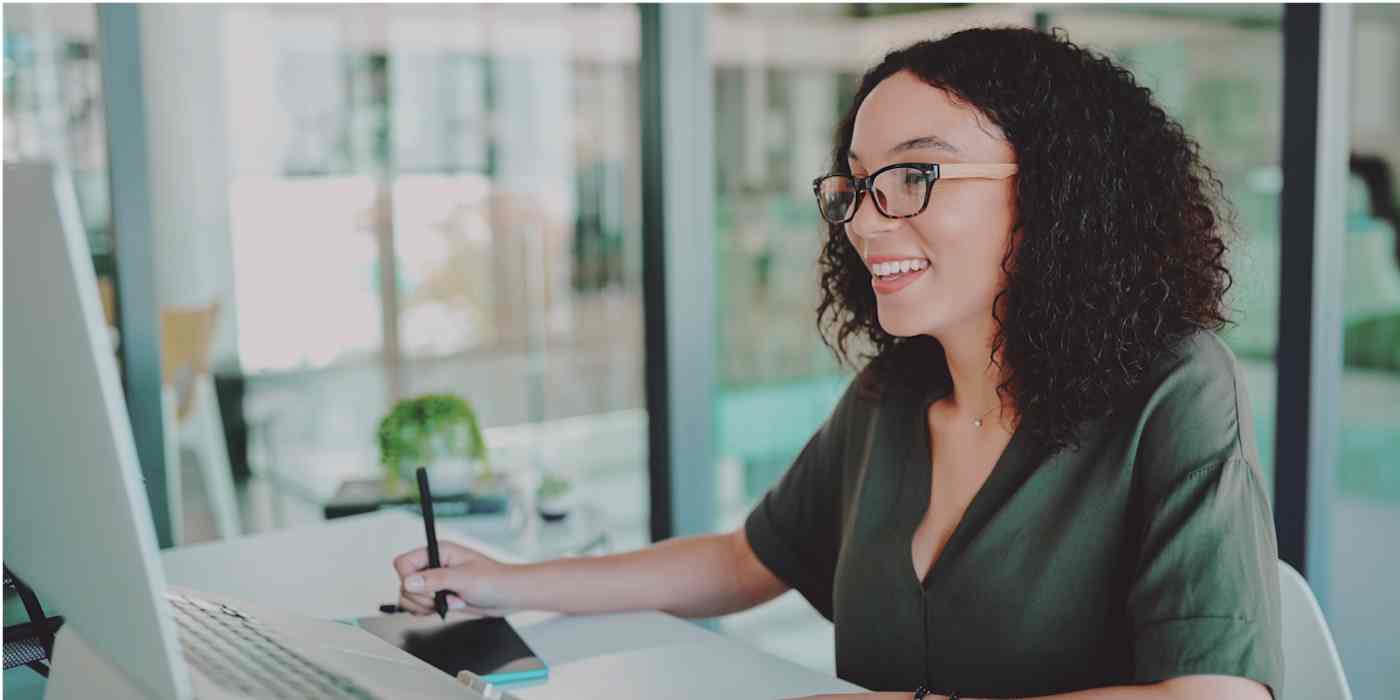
point(900, 190)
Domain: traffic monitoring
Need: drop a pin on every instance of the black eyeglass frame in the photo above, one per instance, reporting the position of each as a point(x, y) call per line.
point(933, 172)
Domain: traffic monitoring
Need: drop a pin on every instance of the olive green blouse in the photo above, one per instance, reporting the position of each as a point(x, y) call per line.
point(1145, 553)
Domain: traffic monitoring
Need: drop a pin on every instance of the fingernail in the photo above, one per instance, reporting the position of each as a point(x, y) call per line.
point(455, 603)
point(413, 583)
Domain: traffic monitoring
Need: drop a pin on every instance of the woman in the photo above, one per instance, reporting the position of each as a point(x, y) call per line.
point(1044, 482)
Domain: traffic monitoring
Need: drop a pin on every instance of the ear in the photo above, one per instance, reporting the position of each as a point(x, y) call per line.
point(1013, 240)
point(1013, 243)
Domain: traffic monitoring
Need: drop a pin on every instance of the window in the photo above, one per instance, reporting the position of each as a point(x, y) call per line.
point(446, 198)
point(1364, 502)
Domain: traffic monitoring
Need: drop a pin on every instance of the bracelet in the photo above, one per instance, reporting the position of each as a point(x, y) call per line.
point(921, 692)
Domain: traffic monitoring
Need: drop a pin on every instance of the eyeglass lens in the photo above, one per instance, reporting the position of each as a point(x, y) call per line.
point(897, 191)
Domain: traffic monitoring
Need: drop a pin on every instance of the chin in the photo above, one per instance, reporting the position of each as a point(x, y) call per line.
point(903, 325)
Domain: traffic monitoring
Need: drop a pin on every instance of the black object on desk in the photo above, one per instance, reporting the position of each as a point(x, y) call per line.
point(487, 646)
point(358, 496)
point(425, 496)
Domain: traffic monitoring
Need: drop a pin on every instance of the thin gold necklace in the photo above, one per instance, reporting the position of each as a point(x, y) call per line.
point(977, 422)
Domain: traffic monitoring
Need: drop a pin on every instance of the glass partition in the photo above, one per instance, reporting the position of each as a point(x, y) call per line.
point(1364, 502)
point(53, 106)
point(466, 220)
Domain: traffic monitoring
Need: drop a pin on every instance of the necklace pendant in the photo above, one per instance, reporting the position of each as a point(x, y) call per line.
point(977, 422)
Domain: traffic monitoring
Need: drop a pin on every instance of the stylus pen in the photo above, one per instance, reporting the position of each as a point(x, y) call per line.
point(425, 497)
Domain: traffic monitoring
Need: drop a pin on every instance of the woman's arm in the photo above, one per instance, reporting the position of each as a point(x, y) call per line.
point(1183, 688)
point(701, 576)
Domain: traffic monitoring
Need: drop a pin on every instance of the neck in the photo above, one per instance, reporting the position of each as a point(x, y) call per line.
point(975, 377)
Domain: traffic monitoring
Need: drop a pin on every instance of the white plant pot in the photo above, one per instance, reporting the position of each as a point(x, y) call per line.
point(556, 508)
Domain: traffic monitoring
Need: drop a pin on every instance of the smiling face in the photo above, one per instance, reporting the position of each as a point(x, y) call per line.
point(960, 239)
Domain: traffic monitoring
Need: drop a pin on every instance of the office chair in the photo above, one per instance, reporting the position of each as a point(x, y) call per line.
point(1311, 667)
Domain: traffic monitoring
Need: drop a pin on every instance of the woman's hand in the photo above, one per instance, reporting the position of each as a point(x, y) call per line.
point(474, 582)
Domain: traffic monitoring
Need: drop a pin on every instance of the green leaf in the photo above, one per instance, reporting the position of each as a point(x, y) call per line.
point(424, 428)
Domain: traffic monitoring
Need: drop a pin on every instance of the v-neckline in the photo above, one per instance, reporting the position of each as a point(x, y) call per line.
point(1007, 474)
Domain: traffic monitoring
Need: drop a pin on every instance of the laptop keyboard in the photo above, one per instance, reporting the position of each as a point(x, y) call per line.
point(235, 652)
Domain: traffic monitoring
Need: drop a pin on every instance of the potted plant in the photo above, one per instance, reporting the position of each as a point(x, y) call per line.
point(441, 432)
point(554, 498)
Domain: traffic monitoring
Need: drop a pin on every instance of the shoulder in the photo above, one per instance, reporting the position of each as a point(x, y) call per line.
point(1192, 412)
point(1201, 354)
point(1197, 376)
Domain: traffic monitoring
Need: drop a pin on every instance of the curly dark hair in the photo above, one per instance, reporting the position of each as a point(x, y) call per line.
point(1121, 231)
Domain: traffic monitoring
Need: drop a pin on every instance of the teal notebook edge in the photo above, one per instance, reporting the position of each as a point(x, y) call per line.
point(517, 677)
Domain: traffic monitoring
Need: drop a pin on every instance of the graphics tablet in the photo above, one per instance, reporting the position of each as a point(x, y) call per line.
point(486, 646)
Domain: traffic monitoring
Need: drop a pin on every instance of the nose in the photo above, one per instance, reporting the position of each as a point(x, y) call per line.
point(869, 223)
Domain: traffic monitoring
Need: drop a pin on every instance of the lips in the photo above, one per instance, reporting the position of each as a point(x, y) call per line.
point(891, 273)
point(892, 284)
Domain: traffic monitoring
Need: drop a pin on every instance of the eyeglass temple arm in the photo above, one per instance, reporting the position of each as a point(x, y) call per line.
point(990, 171)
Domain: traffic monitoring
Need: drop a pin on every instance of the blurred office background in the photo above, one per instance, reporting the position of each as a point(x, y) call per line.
point(365, 203)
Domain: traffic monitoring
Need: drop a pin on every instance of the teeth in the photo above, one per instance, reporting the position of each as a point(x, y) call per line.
point(897, 267)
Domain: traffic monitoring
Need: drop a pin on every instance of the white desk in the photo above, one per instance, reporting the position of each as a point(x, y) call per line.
point(341, 569)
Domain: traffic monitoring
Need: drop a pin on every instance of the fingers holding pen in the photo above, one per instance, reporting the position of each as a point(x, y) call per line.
point(421, 605)
point(474, 582)
point(418, 590)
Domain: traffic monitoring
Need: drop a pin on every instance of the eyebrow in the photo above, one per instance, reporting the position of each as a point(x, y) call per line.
point(916, 144)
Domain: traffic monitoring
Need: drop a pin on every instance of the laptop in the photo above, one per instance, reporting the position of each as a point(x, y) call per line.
point(78, 525)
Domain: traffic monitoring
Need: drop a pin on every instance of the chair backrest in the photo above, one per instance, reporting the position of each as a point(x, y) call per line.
point(187, 335)
point(1312, 670)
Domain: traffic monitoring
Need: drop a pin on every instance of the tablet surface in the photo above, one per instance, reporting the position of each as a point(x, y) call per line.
point(486, 646)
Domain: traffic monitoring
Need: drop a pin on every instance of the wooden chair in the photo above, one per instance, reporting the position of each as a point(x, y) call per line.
point(192, 417)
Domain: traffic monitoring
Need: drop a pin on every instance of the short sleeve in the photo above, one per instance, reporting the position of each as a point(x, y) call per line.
point(1205, 594)
point(795, 530)
point(1205, 599)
